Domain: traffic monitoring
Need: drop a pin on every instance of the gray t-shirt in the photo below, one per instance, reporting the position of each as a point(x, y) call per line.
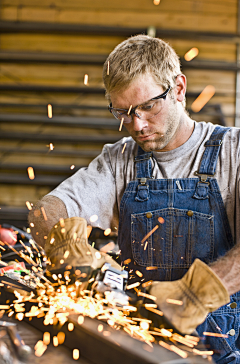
point(98, 189)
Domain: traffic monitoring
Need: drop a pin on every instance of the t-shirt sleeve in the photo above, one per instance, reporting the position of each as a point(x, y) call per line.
point(92, 191)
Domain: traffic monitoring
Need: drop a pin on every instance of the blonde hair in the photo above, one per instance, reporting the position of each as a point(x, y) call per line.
point(139, 55)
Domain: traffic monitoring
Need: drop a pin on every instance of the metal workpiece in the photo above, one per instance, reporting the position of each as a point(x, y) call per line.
point(111, 345)
point(23, 351)
point(99, 343)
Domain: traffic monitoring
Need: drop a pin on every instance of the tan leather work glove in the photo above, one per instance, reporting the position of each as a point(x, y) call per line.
point(68, 241)
point(200, 292)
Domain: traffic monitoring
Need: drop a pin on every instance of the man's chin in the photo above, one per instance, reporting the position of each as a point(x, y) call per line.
point(148, 146)
point(152, 146)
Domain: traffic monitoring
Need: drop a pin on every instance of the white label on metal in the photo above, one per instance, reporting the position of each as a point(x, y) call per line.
point(114, 280)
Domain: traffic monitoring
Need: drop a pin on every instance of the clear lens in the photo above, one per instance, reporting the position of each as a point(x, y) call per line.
point(119, 115)
point(150, 109)
point(145, 111)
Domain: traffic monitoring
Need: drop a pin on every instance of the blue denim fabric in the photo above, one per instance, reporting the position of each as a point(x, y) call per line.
point(189, 221)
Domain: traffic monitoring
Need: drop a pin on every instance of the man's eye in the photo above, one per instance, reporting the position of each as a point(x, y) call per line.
point(146, 107)
point(121, 113)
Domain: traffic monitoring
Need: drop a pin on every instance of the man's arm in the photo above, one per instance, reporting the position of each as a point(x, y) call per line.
point(227, 268)
point(45, 214)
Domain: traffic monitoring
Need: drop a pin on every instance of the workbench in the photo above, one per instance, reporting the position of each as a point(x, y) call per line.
point(53, 355)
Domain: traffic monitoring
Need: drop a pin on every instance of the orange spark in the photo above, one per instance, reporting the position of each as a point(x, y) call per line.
point(156, 2)
point(28, 205)
point(49, 107)
point(127, 261)
point(141, 319)
point(85, 81)
point(150, 305)
point(40, 348)
point(31, 174)
point(165, 345)
point(174, 348)
point(150, 233)
point(174, 302)
point(80, 320)
point(66, 254)
point(199, 352)
point(124, 148)
point(121, 124)
point(194, 339)
point(203, 98)
point(183, 340)
point(70, 326)
point(165, 332)
point(61, 221)
point(93, 218)
point(152, 309)
point(129, 110)
point(20, 316)
point(214, 334)
point(147, 296)
point(144, 325)
point(61, 337)
point(192, 53)
point(46, 338)
point(146, 284)
point(151, 268)
point(107, 232)
point(55, 341)
point(145, 246)
point(44, 213)
point(108, 68)
point(72, 166)
point(75, 354)
point(161, 220)
point(133, 285)
point(139, 273)
point(178, 351)
point(100, 328)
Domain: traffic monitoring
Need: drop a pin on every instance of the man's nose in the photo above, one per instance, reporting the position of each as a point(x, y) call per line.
point(138, 124)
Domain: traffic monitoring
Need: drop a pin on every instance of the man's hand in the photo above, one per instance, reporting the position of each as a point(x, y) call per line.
point(187, 301)
point(67, 244)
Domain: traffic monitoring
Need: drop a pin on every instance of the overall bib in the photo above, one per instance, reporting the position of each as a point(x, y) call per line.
point(170, 223)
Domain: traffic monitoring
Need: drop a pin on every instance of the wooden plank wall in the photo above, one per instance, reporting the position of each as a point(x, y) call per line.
point(17, 153)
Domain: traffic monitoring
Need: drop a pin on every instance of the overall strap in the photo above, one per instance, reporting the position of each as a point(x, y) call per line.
point(210, 155)
point(143, 164)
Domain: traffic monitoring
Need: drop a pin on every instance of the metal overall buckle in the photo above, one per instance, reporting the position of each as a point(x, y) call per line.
point(203, 176)
point(143, 180)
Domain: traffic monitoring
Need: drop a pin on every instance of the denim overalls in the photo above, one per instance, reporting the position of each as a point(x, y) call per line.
point(169, 223)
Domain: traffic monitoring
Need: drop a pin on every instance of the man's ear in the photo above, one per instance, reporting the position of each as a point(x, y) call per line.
point(180, 89)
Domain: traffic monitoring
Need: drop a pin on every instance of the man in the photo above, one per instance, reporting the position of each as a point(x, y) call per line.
point(173, 189)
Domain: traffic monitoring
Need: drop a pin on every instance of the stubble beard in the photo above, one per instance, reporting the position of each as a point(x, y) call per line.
point(162, 139)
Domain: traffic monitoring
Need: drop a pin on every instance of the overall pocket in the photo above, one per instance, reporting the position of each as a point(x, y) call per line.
point(172, 238)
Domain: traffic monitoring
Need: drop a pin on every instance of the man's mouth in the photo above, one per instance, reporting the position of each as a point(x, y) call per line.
point(145, 137)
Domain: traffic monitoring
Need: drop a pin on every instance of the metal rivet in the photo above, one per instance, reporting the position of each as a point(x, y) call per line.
point(233, 305)
point(190, 213)
point(149, 215)
point(231, 332)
